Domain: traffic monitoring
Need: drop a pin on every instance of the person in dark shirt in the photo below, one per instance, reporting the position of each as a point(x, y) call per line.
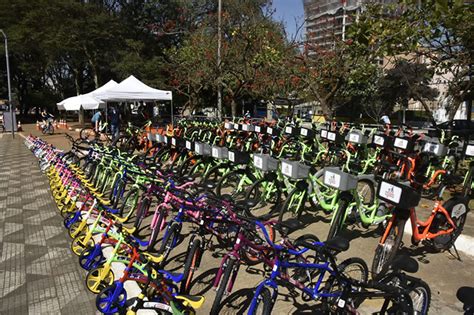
point(114, 118)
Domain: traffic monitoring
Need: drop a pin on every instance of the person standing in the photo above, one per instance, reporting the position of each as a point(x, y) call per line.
point(114, 118)
point(96, 120)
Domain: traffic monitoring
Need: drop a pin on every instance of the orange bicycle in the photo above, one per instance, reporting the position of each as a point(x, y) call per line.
point(440, 229)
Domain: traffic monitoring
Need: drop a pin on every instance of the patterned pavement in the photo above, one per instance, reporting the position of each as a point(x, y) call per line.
point(38, 272)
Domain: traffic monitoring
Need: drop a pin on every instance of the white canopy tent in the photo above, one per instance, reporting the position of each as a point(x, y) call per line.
point(75, 102)
point(101, 91)
point(132, 89)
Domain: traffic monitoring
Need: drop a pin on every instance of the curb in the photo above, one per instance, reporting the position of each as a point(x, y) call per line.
point(464, 243)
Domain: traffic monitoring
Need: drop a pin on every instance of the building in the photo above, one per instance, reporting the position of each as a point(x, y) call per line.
point(328, 20)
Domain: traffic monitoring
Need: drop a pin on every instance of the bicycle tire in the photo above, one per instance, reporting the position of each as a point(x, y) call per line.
point(421, 307)
point(384, 253)
point(77, 245)
point(229, 184)
point(265, 206)
point(192, 262)
point(185, 168)
point(231, 265)
point(93, 283)
point(169, 240)
point(337, 222)
point(362, 186)
point(264, 303)
point(332, 283)
point(108, 301)
point(156, 231)
point(286, 209)
point(87, 134)
point(126, 208)
point(142, 210)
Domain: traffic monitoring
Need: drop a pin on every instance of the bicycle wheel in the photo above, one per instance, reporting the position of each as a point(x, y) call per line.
point(293, 205)
point(155, 231)
point(264, 303)
point(230, 267)
point(87, 134)
point(51, 130)
point(193, 258)
point(144, 206)
point(353, 268)
point(384, 253)
point(185, 168)
point(169, 240)
point(77, 244)
point(337, 222)
point(265, 196)
point(96, 280)
point(111, 299)
point(214, 174)
point(129, 203)
point(457, 209)
point(234, 184)
point(366, 191)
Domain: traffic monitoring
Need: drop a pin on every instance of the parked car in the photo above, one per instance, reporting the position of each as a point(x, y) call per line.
point(460, 127)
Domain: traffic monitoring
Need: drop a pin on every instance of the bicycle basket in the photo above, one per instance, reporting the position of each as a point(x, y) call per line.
point(248, 127)
point(397, 194)
point(265, 162)
point(189, 145)
point(404, 143)
point(335, 178)
point(437, 149)
point(305, 132)
point(294, 169)
point(335, 137)
point(292, 130)
point(229, 125)
point(470, 150)
point(356, 137)
point(239, 157)
point(202, 148)
point(219, 152)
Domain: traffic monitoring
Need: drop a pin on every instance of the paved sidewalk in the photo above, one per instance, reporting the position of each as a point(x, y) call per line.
point(38, 273)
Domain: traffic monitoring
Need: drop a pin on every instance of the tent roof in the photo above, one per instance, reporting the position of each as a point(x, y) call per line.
point(103, 89)
point(75, 102)
point(132, 89)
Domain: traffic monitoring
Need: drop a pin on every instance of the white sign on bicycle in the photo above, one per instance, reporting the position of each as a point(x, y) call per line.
point(286, 168)
point(257, 129)
point(258, 161)
point(470, 150)
point(304, 132)
point(288, 130)
point(269, 130)
point(400, 143)
point(390, 192)
point(331, 136)
point(215, 152)
point(231, 156)
point(332, 179)
point(378, 140)
point(188, 145)
point(354, 137)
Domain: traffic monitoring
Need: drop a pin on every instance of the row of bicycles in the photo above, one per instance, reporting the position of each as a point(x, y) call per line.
point(244, 188)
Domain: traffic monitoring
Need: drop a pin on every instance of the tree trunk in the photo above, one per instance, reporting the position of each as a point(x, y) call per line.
point(453, 109)
point(77, 83)
point(233, 107)
point(269, 111)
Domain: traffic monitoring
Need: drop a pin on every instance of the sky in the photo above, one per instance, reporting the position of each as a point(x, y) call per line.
point(287, 11)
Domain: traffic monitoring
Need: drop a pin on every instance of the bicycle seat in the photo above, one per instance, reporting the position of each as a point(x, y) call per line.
point(290, 225)
point(466, 295)
point(390, 167)
point(176, 277)
point(195, 301)
point(129, 231)
point(338, 244)
point(152, 258)
point(405, 263)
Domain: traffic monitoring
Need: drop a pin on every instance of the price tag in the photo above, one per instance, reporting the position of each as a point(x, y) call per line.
point(470, 150)
point(188, 145)
point(257, 129)
point(286, 168)
point(354, 137)
point(400, 143)
point(331, 136)
point(332, 179)
point(258, 161)
point(378, 140)
point(390, 192)
point(288, 130)
point(304, 132)
point(215, 152)
point(269, 130)
point(231, 156)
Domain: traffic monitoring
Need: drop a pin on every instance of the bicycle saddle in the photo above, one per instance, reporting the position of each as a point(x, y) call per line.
point(466, 296)
point(289, 225)
point(405, 263)
point(195, 301)
point(176, 277)
point(338, 244)
point(453, 180)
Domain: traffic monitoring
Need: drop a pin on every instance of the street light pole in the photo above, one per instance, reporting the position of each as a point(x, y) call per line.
point(9, 85)
point(219, 31)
